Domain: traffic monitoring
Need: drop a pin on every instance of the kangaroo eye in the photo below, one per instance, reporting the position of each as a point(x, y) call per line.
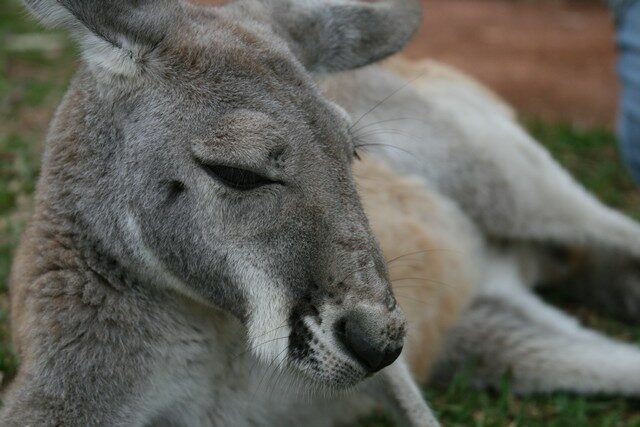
point(236, 178)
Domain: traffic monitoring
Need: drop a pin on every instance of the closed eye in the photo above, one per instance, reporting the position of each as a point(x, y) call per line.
point(236, 178)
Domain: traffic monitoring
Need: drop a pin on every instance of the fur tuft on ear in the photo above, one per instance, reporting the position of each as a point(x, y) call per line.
point(335, 35)
point(115, 35)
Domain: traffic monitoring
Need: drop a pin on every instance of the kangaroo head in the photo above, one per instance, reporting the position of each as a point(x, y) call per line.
point(195, 148)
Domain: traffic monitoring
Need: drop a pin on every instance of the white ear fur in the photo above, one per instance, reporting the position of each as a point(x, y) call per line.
point(105, 49)
point(125, 60)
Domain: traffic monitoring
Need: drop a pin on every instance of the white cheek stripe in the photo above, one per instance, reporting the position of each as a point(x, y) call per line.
point(267, 326)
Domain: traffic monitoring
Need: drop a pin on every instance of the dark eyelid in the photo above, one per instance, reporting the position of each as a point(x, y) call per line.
point(237, 178)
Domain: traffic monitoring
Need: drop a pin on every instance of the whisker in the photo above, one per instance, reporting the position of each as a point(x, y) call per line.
point(396, 119)
point(404, 263)
point(258, 345)
point(379, 103)
point(425, 279)
point(268, 370)
point(407, 286)
point(280, 372)
point(411, 299)
point(380, 144)
point(350, 273)
point(272, 330)
point(413, 253)
point(375, 132)
point(379, 131)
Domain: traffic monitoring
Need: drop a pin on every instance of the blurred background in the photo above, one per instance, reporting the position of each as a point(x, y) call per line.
point(553, 60)
point(550, 59)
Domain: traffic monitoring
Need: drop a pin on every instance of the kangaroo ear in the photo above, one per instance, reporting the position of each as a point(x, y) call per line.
point(115, 35)
point(334, 35)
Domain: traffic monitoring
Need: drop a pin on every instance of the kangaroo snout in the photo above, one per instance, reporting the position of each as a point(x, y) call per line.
point(372, 337)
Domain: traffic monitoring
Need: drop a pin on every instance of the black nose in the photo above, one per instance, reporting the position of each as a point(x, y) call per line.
point(367, 344)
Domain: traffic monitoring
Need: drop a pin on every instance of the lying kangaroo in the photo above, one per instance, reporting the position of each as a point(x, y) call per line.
point(199, 254)
point(536, 224)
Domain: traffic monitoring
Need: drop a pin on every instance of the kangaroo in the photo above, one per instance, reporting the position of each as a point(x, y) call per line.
point(197, 226)
point(204, 248)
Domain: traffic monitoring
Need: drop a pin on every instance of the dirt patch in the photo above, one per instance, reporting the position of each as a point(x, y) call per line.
point(552, 59)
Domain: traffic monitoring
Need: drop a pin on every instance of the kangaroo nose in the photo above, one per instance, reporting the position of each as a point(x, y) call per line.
point(363, 340)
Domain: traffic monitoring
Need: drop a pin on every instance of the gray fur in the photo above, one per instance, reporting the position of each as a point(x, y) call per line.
point(142, 276)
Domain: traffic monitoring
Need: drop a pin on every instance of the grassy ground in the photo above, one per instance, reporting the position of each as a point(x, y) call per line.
point(32, 82)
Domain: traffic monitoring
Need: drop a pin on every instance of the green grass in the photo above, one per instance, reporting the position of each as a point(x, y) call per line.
point(31, 85)
point(460, 405)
